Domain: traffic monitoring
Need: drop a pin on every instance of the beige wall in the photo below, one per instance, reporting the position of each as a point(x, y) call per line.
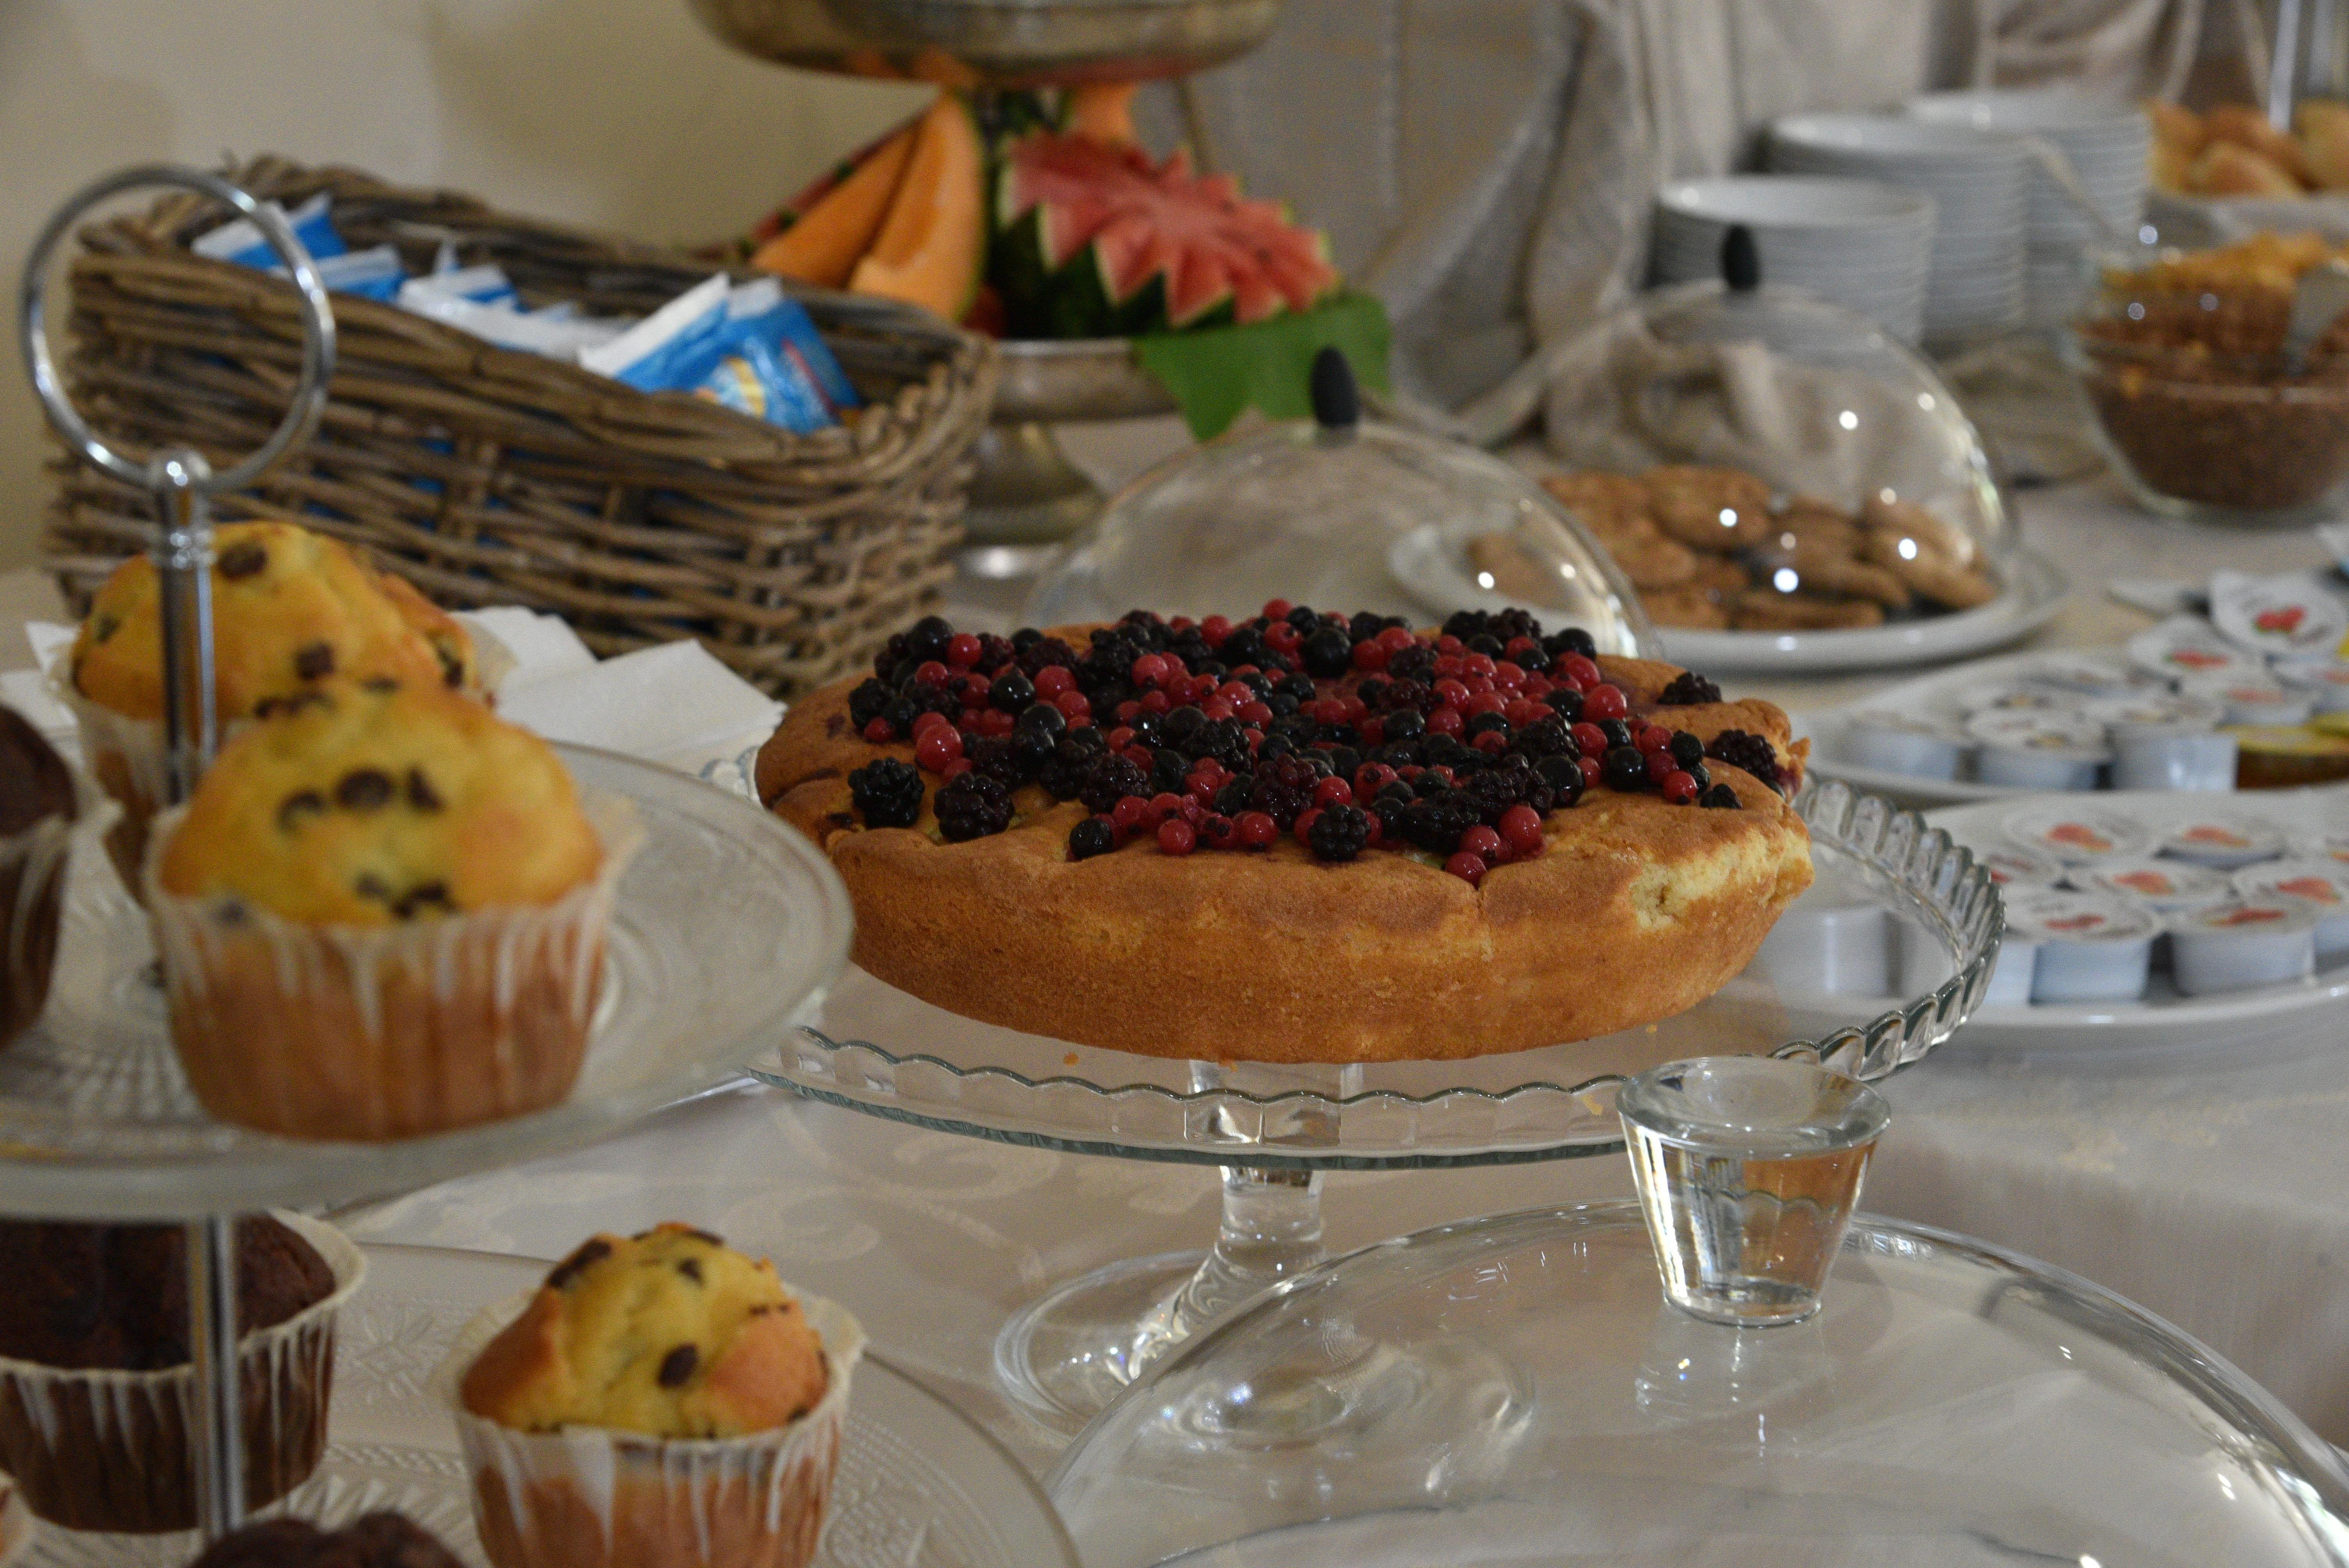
point(620, 113)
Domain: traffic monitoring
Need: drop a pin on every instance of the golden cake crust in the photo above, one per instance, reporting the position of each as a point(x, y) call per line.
point(1636, 910)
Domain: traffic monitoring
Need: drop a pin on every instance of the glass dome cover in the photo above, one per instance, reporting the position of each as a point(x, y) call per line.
point(1513, 1391)
point(1811, 398)
point(1341, 515)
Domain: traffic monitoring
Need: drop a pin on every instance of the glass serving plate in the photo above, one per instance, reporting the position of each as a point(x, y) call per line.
point(729, 927)
point(1273, 1128)
point(919, 1486)
point(1513, 1391)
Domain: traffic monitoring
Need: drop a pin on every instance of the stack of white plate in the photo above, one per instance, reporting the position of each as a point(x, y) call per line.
point(2106, 145)
point(1977, 180)
point(1866, 245)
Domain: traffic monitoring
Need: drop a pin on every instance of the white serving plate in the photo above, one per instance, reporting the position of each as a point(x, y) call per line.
point(2036, 591)
point(2311, 1013)
point(919, 1485)
point(1425, 568)
point(1825, 729)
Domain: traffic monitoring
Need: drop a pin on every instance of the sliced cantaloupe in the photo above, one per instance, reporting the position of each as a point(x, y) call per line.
point(934, 239)
point(1102, 112)
point(824, 242)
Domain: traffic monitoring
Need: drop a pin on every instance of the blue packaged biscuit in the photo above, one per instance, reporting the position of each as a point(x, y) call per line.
point(747, 348)
point(241, 242)
point(375, 273)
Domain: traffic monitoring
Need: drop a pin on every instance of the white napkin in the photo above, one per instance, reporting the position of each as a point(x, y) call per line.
point(674, 704)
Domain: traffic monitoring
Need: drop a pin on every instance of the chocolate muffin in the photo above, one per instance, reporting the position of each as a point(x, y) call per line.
point(372, 1541)
point(96, 1388)
point(36, 806)
point(116, 1297)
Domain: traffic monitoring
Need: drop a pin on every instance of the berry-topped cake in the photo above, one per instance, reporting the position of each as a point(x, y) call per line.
point(1303, 837)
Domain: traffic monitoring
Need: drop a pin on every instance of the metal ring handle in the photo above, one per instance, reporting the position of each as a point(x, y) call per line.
point(317, 328)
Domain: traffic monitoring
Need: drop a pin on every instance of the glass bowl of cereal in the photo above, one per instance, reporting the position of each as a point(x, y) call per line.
point(2199, 401)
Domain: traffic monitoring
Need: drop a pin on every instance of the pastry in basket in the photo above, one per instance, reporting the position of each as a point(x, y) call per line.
point(96, 1388)
point(1298, 838)
point(291, 609)
point(37, 808)
point(661, 1400)
point(384, 1540)
point(382, 914)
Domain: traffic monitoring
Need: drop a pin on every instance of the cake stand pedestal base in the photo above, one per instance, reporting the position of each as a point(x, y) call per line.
point(1070, 1353)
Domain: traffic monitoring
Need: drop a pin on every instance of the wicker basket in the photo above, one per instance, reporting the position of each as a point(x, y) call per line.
point(488, 476)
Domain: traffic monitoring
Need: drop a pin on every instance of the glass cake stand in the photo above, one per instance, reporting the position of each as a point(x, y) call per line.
point(1949, 1405)
point(1274, 1128)
point(728, 928)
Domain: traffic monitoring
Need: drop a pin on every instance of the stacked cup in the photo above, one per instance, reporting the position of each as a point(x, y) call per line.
point(1864, 245)
point(2087, 192)
point(1977, 180)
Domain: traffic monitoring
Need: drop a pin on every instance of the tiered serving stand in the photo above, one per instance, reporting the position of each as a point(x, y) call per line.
point(1027, 496)
point(1274, 1129)
point(728, 927)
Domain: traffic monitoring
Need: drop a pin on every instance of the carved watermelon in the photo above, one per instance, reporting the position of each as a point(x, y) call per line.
point(1097, 239)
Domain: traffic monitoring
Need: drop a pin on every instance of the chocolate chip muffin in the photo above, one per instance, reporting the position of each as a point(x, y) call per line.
point(373, 804)
point(662, 1401)
point(384, 1540)
point(291, 611)
point(670, 1334)
point(382, 915)
point(96, 1388)
point(36, 814)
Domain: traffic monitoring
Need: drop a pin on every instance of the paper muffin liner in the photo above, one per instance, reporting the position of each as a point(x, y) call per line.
point(32, 903)
point(590, 1497)
point(98, 1449)
point(127, 759)
point(371, 1033)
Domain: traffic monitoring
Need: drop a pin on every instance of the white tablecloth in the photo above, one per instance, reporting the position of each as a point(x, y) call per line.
point(2208, 1191)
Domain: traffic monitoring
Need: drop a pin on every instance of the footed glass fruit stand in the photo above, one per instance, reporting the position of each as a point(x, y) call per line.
point(726, 929)
point(1275, 1128)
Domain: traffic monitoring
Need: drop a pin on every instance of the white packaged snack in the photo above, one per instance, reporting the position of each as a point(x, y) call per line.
point(2222, 843)
point(2242, 943)
point(2092, 946)
point(2323, 884)
point(2078, 837)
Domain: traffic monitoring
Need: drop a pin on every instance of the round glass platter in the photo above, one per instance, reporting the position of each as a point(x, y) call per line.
point(1273, 1128)
point(919, 1484)
point(728, 928)
point(1514, 1390)
point(882, 1052)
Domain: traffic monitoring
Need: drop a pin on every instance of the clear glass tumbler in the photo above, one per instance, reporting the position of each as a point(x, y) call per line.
point(1749, 1169)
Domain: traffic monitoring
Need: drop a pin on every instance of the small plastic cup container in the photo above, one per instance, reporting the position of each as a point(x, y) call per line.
point(2012, 978)
point(2326, 683)
point(1749, 1169)
point(2078, 837)
point(1924, 959)
point(1845, 949)
point(2181, 760)
point(1917, 746)
point(2092, 946)
point(2015, 869)
point(2172, 887)
point(2086, 676)
point(2253, 699)
point(2330, 844)
point(2222, 844)
point(2242, 943)
point(2015, 697)
point(2321, 884)
point(2052, 750)
point(2184, 648)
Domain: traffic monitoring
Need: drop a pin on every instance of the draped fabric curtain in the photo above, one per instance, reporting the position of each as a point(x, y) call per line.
point(1486, 166)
